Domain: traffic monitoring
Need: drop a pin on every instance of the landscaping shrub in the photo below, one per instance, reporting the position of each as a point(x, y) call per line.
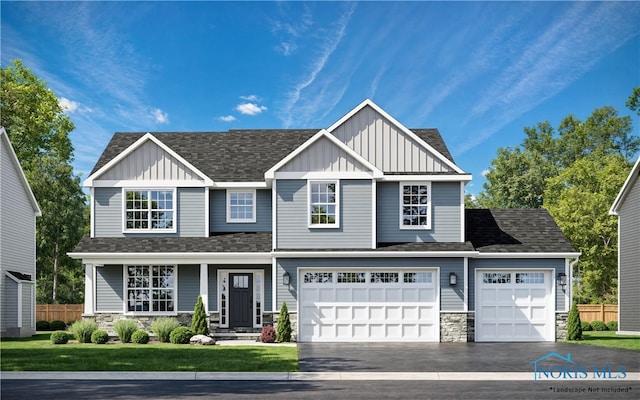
point(268, 334)
point(612, 325)
point(83, 329)
point(180, 335)
point(140, 337)
point(586, 326)
point(57, 325)
point(99, 337)
point(43, 326)
point(283, 333)
point(162, 328)
point(199, 324)
point(574, 326)
point(599, 326)
point(70, 322)
point(59, 337)
point(124, 329)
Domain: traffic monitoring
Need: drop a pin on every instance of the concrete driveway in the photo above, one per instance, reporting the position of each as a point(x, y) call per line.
point(454, 357)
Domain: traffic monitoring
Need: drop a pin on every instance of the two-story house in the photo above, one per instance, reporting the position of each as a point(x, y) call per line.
point(360, 228)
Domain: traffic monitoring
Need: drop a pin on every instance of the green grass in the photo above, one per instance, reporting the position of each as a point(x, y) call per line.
point(609, 339)
point(38, 354)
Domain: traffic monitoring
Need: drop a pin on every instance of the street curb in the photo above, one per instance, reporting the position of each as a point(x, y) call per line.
point(300, 376)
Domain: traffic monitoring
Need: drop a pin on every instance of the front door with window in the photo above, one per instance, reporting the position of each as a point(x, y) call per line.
point(241, 300)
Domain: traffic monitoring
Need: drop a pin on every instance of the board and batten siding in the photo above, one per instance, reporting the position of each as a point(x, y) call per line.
point(557, 264)
point(109, 288)
point(293, 230)
point(629, 248)
point(218, 213)
point(323, 156)
point(188, 287)
point(386, 146)
point(446, 211)
point(108, 213)
point(451, 297)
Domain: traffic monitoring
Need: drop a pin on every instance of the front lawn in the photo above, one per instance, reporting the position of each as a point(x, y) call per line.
point(610, 339)
point(38, 354)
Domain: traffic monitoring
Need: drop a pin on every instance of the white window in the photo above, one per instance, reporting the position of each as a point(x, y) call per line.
point(323, 204)
point(150, 288)
point(241, 206)
point(149, 210)
point(415, 205)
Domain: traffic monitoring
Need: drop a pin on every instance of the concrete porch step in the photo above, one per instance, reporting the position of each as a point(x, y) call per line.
point(253, 336)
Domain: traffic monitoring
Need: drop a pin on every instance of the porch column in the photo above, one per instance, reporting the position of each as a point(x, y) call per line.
point(204, 286)
point(89, 289)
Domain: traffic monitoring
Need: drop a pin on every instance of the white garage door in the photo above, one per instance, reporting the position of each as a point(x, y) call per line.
point(514, 306)
point(345, 305)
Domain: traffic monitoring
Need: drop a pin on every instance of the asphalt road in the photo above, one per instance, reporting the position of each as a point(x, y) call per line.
point(188, 389)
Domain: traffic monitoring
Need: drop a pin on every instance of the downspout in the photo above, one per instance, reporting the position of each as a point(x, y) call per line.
point(571, 265)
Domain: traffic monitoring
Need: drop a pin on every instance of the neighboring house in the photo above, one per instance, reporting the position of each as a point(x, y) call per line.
point(359, 228)
point(18, 212)
point(627, 208)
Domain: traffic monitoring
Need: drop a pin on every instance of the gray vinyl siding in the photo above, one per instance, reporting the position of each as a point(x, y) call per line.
point(218, 213)
point(451, 297)
point(108, 214)
point(109, 288)
point(629, 248)
point(188, 286)
point(213, 287)
point(28, 307)
point(293, 230)
point(9, 303)
point(446, 211)
point(558, 264)
point(213, 283)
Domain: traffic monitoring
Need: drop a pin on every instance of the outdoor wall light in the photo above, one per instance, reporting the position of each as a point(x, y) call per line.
point(453, 279)
point(562, 279)
point(286, 279)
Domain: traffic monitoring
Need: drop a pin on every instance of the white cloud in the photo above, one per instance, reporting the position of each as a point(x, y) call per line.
point(251, 97)
point(250, 108)
point(160, 116)
point(227, 118)
point(68, 105)
point(286, 48)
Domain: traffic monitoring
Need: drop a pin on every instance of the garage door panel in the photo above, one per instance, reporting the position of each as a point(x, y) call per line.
point(427, 295)
point(358, 294)
point(538, 294)
point(326, 295)
point(376, 295)
point(393, 295)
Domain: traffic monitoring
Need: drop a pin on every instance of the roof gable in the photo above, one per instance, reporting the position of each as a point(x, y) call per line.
point(7, 148)
point(626, 188)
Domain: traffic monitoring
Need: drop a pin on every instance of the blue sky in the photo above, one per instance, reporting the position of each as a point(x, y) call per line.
point(478, 71)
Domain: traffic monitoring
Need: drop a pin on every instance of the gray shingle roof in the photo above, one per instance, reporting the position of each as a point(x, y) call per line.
point(515, 231)
point(237, 155)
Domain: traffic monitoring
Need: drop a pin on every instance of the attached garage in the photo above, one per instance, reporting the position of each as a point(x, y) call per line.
point(377, 305)
point(514, 306)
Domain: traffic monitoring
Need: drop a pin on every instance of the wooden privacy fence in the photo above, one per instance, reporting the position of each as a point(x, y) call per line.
point(61, 312)
point(598, 312)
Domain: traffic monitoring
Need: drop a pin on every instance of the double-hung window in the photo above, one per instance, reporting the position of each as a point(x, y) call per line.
point(149, 210)
point(324, 204)
point(150, 288)
point(241, 206)
point(415, 205)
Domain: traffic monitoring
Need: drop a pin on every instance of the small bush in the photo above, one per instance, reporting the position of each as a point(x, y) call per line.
point(599, 326)
point(59, 337)
point(586, 326)
point(268, 334)
point(162, 328)
point(83, 329)
point(574, 325)
point(180, 335)
point(283, 333)
point(140, 337)
point(199, 324)
point(124, 329)
point(43, 326)
point(612, 325)
point(57, 325)
point(99, 337)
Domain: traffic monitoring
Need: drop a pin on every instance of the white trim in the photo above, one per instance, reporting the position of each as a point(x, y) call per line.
point(624, 191)
point(465, 292)
point(240, 185)
point(4, 136)
point(368, 102)
point(323, 133)
point(274, 215)
point(204, 286)
point(323, 175)
point(89, 289)
point(251, 220)
point(19, 304)
point(374, 214)
point(427, 177)
point(463, 215)
point(274, 284)
point(173, 258)
point(174, 210)
point(148, 136)
point(628, 333)
point(207, 210)
point(528, 255)
point(336, 224)
point(149, 265)
point(375, 254)
point(92, 212)
point(148, 183)
point(401, 206)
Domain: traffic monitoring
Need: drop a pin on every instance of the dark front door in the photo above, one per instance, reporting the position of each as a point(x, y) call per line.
point(241, 300)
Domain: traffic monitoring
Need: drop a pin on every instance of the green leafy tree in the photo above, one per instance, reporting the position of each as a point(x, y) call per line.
point(283, 331)
point(199, 324)
point(634, 100)
point(39, 132)
point(574, 325)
